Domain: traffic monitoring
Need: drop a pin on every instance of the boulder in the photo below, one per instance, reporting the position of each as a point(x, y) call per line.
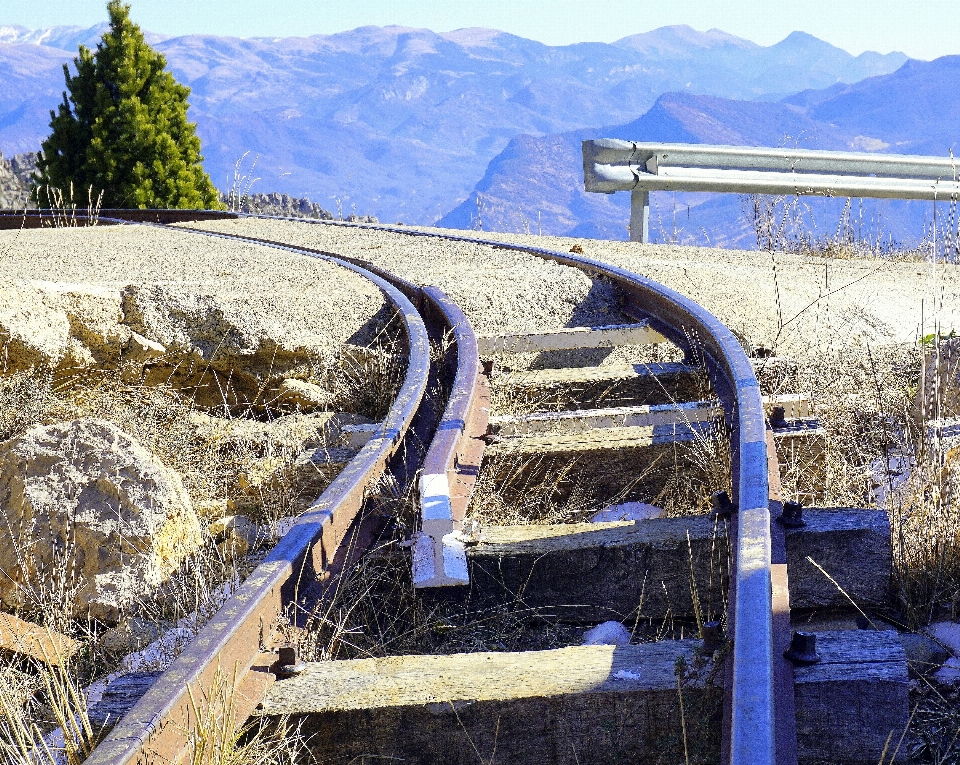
point(85, 501)
point(132, 635)
point(304, 396)
point(235, 536)
point(949, 674)
point(947, 634)
point(923, 653)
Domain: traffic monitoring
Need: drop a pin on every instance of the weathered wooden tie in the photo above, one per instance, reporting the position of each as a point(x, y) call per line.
point(643, 425)
point(589, 572)
point(613, 385)
point(600, 439)
point(597, 704)
point(570, 338)
point(582, 420)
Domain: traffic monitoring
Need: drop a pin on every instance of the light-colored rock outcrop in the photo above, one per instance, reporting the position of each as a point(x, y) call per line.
point(61, 325)
point(304, 396)
point(224, 321)
point(83, 502)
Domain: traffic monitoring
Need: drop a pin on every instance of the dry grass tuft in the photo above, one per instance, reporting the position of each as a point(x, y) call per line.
point(214, 456)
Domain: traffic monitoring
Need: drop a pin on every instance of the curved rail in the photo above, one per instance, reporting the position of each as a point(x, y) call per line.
point(750, 737)
point(752, 730)
point(154, 729)
point(452, 463)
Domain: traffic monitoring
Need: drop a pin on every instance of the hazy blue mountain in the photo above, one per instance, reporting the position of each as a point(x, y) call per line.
point(915, 109)
point(540, 178)
point(68, 38)
point(401, 123)
point(31, 84)
point(759, 72)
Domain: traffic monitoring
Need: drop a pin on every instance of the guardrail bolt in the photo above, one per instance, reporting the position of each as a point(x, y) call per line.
point(792, 516)
point(803, 648)
point(712, 637)
point(722, 506)
point(288, 663)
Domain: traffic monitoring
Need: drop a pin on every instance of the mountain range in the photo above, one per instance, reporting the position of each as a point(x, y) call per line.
point(536, 183)
point(401, 123)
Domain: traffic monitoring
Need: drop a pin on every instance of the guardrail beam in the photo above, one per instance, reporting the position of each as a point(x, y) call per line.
point(611, 165)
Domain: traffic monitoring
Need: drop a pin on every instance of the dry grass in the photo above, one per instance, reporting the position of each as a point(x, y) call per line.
point(214, 457)
point(863, 395)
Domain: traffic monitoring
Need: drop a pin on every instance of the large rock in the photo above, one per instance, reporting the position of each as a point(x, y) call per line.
point(66, 326)
point(84, 498)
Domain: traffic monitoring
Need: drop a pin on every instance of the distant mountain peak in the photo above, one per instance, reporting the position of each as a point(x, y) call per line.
point(473, 37)
point(681, 39)
point(801, 36)
point(68, 38)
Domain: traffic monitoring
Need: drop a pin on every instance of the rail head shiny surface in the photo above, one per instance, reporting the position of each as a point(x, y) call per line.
point(443, 448)
point(691, 326)
point(236, 631)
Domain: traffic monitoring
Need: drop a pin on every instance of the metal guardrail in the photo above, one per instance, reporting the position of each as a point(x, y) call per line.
point(611, 165)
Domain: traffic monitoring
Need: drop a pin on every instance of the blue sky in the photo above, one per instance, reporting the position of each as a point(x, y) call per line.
point(921, 28)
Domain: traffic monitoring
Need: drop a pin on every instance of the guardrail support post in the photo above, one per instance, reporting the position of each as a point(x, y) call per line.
point(640, 216)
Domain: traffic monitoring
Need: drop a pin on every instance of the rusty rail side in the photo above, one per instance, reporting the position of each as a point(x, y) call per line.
point(233, 642)
point(751, 737)
point(452, 463)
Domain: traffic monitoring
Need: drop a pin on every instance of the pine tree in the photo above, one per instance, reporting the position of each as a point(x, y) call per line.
point(123, 129)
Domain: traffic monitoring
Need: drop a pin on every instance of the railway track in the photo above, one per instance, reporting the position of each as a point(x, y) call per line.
point(594, 703)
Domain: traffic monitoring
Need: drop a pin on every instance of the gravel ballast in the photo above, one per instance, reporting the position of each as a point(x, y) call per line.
point(500, 291)
point(794, 303)
point(210, 297)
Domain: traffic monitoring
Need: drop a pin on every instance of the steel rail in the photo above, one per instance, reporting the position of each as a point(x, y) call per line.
point(751, 736)
point(156, 728)
point(452, 463)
